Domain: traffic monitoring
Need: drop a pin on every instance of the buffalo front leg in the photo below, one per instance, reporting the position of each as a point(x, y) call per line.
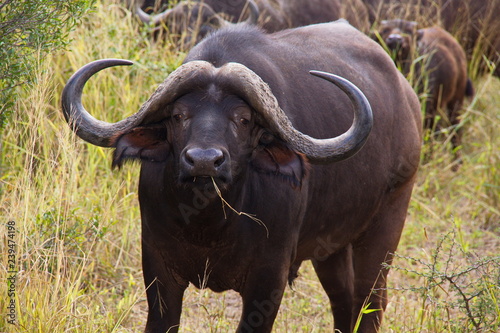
point(164, 294)
point(262, 296)
point(370, 254)
point(336, 274)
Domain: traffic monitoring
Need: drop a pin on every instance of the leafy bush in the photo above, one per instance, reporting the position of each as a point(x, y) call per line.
point(458, 289)
point(29, 29)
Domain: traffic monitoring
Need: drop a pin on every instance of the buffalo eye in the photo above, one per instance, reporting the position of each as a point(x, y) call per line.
point(385, 31)
point(178, 117)
point(266, 138)
point(244, 121)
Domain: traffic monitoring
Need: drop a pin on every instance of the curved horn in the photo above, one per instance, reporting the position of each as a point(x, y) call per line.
point(261, 98)
point(253, 16)
point(157, 19)
point(152, 19)
point(104, 134)
point(82, 123)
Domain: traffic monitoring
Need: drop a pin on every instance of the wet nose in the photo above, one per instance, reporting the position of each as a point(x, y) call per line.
point(394, 39)
point(204, 162)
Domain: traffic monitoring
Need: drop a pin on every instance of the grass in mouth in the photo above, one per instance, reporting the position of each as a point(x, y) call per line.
point(225, 203)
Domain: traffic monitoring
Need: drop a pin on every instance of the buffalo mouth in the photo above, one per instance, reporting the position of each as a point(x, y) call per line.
point(395, 44)
point(222, 180)
point(205, 180)
point(208, 187)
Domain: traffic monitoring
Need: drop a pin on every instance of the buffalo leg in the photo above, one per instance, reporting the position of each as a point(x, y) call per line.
point(370, 252)
point(336, 276)
point(262, 296)
point(454, 109)
point(164, 295)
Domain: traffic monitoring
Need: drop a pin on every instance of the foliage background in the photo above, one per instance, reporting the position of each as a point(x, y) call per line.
point(29, 30)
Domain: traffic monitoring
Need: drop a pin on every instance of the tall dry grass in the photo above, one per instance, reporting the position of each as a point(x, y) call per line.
point(78, 226)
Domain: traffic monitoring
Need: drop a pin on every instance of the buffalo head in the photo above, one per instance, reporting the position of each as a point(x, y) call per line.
point(399, 36)
point(213, 121)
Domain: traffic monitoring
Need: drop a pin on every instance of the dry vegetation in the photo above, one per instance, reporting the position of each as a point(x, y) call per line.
point(78, 226)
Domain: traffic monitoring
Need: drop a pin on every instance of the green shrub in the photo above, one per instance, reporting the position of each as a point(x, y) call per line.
point(29, 29)
point(458, 289)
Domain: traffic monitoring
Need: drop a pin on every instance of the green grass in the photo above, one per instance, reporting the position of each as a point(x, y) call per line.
point(78, 223)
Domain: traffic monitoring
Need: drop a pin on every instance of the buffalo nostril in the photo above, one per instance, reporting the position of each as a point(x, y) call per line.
point(219, 161)
point(188, 159)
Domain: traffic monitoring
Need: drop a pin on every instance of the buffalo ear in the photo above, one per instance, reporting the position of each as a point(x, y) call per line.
point(277, 159)
point(147, 143)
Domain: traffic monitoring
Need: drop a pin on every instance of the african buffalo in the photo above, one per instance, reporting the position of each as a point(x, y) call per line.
point(233, 10)
point(284, 14)
point(474, 23)
point(270, 15)
point(190, 21)
point(439, 62)
point(304, 177)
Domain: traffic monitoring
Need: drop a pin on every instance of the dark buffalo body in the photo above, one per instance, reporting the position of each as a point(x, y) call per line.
point(198, 18)
point(345, 215)
point(439, 63)
point(474, 23)
point(283, 14)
